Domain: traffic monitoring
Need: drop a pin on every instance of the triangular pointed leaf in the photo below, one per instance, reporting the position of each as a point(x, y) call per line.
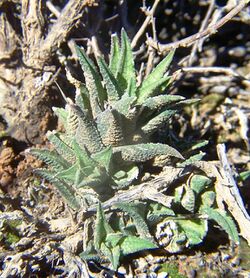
point(114, 54)
point(192, 159)
point(144, 92)
point(132, 244)
point(133, 210)
point(131, 88)
point(109, 125)
point(102, 228)
point(104, 158)
point(51, 158)
point(157, 74)
point(224, 220)
point(155, 123)
point(97, 94)
point(69, 174)
point(67, 192)
point(82, 99)
point(113, 239)
point(61, 147)
point(144, 152)
point(161, 101)
point(112, 87)
point(126, 68)
point(83, 157)
point(87, 134)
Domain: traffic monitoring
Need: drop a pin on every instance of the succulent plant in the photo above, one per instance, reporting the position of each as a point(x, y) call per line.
point(107, 140)
point(108, 127)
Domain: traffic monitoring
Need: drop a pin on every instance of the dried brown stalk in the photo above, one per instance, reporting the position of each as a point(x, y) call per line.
point(210, 30)
point(24, 99)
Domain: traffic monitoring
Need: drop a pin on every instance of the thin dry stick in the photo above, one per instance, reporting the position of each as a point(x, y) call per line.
point(202, 28)
point(53, 9)
point(151, 51)
point(145, 24)
point(223, 70)
point(66, 21)
point(231, 194)
point(144, 190)
point(210, 30)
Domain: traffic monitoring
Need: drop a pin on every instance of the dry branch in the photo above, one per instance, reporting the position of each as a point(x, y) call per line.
point(146, 190)
point(227, 192)
point(231, 195)
point(24, 99)
point(210, 30)
point(66, 21)
point(146, 22)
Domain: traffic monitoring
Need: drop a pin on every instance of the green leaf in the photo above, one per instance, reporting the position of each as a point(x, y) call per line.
point(97, 94)
point(198, 145)
point(192, 159)
point(144, 152)
point(62, 114)
point(195, 230)
point(144, 92)
point(51, 158)
point(131, 88)
point(112, 87)
point(82, 99)
point(178, 193)
point(157, 212)
point(147, 87)
point(113, 239)
point(72, 123)
point(87, 134)
point(102, 228)
point(114, 54)
point(126, 68)
point(116, 253)
point(224, 220)
point(109, 125)
point(161, 101)
point(124, 105)
point(67, 192)
point(158, 120)
point(188, 199)
point(83, 156)
point(70, 173)
point(208, 198)
point(135, 212)
point(104, 157)
point(244, 175)
point(125, 177)
point(199, 182)
point(132, 244)
point(61, 147)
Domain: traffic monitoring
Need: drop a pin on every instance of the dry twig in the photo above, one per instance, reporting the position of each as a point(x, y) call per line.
point(147, 190)
point(210, 30)
point(198, 43)
point(66, 21)
point(227, 192)
point(149, 17)
point(203, 70)
point(231, 195)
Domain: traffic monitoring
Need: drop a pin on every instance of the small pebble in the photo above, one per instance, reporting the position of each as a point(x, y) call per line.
point(162, 275)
